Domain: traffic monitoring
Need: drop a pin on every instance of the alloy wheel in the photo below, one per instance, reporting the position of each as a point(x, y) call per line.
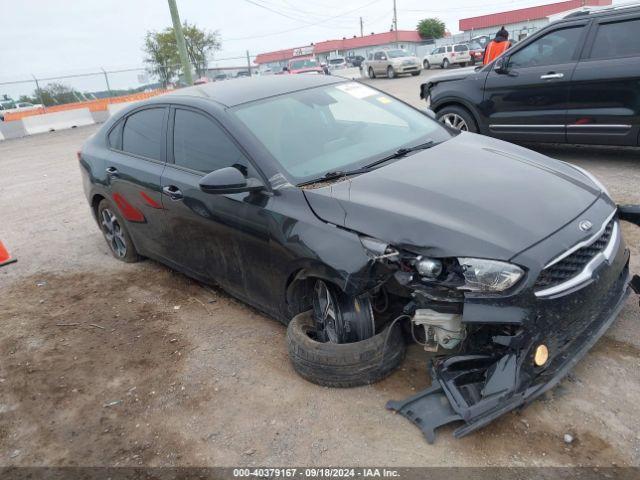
point(326, 314)
point(113, 233)
point(455, 121)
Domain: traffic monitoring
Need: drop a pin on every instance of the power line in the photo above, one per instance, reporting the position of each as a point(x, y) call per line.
point(301, 27)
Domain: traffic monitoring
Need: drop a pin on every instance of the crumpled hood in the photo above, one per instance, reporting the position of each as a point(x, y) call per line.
point(469, 196)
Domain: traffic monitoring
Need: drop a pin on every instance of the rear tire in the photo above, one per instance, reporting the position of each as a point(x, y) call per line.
point(415, 74)
point(372, 74)
point(343, 365)
point(426, 64)
point(445, 64)
point(463, 64)
point(115, 233)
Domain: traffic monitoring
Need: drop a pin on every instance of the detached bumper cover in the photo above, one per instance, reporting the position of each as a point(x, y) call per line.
point(476, 388)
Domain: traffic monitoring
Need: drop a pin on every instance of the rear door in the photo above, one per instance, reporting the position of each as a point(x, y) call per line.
point(529, 101)
point(604, 105)
point(220, 237)
point(134, 166)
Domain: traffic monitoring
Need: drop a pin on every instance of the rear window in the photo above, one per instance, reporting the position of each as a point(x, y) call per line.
point(142, 133)
point(619, 39)
point(460, 48)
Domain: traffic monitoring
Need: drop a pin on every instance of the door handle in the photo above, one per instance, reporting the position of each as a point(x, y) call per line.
point(172, 192)
point(551, 76)
point(112, 171)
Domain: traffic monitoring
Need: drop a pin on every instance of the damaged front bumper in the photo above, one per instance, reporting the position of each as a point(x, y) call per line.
point(476, 386)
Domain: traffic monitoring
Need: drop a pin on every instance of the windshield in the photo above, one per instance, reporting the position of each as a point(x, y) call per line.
point(335, 128)
point(298, 64)
point(475, 46)
point(336, 61)
point(397, 53)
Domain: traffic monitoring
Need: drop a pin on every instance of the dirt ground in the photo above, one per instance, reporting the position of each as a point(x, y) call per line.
point(105, 363)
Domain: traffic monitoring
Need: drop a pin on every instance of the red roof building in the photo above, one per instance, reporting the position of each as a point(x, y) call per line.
point(526, 14)
point(346, 44)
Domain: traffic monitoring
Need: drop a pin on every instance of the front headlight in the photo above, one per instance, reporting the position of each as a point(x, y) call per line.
point(483, 275)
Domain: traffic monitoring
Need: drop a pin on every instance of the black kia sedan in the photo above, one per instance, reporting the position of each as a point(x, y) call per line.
point(575, 81)
point(353, 217)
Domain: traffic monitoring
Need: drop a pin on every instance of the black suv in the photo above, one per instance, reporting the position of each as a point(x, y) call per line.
point(575, 81)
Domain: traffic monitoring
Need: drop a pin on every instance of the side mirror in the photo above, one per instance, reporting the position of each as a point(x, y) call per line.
point(229, 180)
point(430, 113)
point(501, 65)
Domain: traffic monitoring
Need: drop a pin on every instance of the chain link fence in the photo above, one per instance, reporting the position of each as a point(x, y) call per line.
point(104, 83)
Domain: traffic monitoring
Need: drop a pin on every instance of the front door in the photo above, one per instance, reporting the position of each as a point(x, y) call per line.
point(527, 99)
point(218, 237)
point(134, 167)
point(604, 107)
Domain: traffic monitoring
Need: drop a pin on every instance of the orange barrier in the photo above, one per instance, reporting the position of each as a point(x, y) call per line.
point(93, 105)
point(5, 258)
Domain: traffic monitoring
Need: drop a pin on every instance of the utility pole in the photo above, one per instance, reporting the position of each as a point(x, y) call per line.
point(395, 16)
point(395, 21)
point(182, 46)
point(361, 28)
point(249, 62)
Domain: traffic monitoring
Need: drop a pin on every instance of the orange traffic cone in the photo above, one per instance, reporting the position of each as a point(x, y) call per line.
point(5, 258)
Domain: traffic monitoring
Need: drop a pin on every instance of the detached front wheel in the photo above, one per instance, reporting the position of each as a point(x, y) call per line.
point(343, 364)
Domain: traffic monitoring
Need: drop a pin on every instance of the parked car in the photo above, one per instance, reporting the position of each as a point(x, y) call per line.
point(243, 73)
point(345, 213)
point(448, 55)
point(10, 106)
point(575, 81)
point(392, 63)
point(221, 76)
point(337, 63)
point(476, 52)
point(355, 61)
point(303, 65)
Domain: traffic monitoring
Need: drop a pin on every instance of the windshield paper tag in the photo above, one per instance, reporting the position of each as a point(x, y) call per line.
point(356, 90)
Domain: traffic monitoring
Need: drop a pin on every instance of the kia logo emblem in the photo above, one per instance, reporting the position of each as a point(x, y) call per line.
point(585, 225)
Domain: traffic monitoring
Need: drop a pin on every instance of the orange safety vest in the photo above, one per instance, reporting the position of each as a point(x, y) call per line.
point(494, 49)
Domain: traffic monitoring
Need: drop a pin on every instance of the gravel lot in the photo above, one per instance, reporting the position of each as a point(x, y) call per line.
point(105, 363)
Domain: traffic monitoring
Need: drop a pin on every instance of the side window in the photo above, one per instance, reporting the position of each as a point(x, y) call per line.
point(142, 134)
point(201, 145)
point(370, 57)
point(115, 137)
point(449, 49)
point(620, 39)
point(552, 49)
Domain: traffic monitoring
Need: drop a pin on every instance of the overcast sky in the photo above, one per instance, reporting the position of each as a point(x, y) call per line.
point(55, 37)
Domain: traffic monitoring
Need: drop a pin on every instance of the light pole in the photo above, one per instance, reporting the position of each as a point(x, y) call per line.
point(182, 47)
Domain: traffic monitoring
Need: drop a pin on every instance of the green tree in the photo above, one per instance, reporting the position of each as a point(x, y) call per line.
point(431, 28)
point(53, 94)
point(162, 51)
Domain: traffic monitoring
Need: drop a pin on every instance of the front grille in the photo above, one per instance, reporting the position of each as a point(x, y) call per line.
point(573, 264)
